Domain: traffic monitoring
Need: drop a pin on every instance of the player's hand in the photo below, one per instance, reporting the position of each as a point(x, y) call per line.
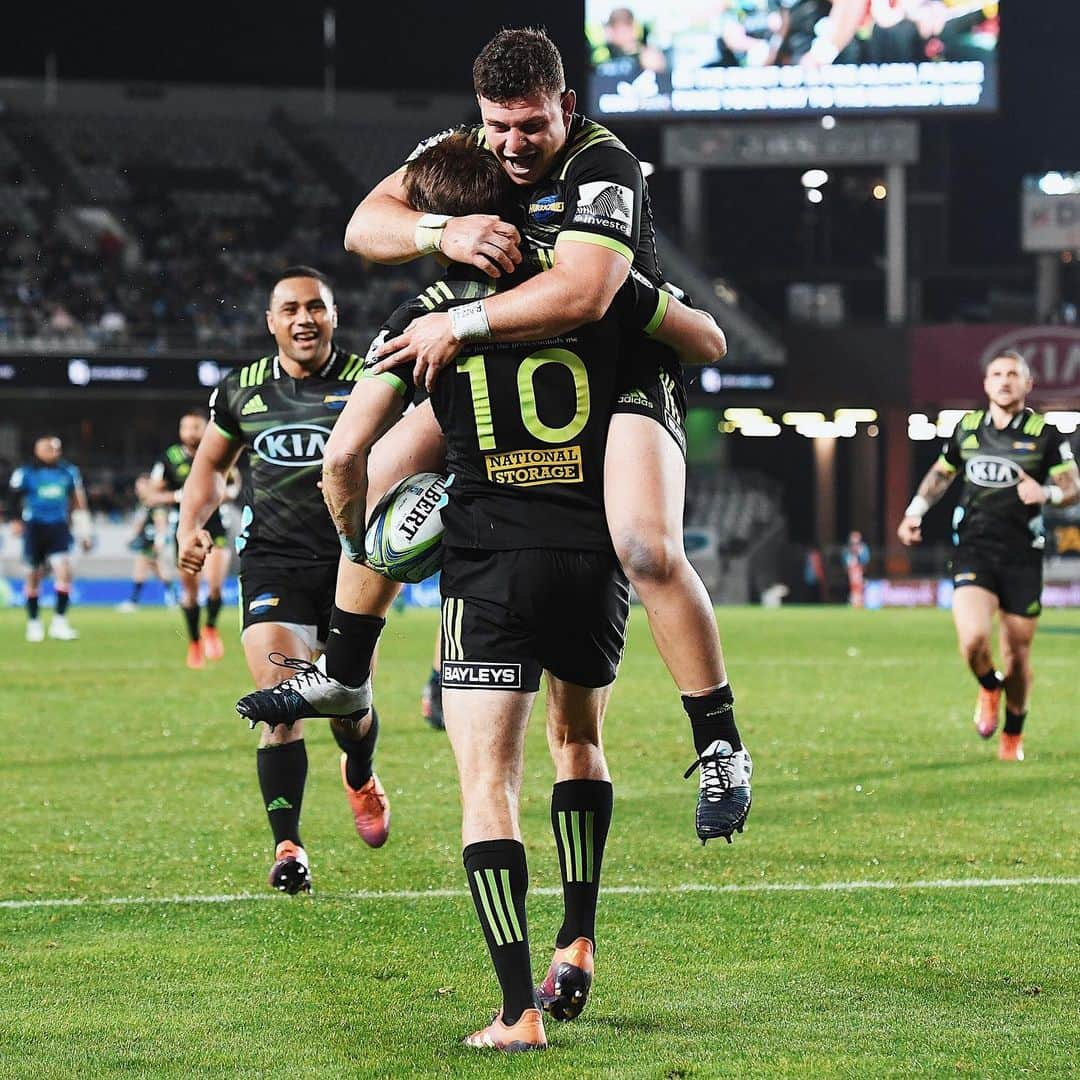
point(930, 19)
point(86, 543)
point(483, 241)
point(1030, 491)
point(910, 531)
point(428, 342)
point(192, 550)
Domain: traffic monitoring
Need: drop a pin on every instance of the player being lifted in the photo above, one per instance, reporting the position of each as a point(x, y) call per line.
point(529, 583)
point(583, 206)
point(283, 407)
point(1013, 463)
point(167, 478)
point(53, 507)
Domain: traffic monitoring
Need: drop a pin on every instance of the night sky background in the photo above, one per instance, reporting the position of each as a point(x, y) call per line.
point(427, 46)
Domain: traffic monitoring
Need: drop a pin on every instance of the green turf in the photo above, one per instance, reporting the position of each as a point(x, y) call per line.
point(124, 775)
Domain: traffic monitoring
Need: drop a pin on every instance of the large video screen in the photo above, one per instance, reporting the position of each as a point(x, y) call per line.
point(653, 58)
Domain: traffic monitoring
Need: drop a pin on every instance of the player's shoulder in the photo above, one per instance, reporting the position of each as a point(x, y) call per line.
point(345, 366)
point(971, 420)
point(1036, 424)
point(589, 142)
point(250, 375)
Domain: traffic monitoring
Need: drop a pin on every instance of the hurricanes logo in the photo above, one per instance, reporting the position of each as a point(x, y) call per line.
point(992, 472)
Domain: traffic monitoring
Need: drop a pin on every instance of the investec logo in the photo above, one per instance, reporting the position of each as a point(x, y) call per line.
point(992, 472)
point(481, 675)
point(527, 468)
point(295, 446)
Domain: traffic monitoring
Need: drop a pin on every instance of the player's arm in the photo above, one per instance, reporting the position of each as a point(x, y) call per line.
point(934, 484)
point(203, 492)
point(835, 35)
point(385, 229)
point(1062, 487)
point(374, 405)
point(158, 491)
point(693, 334)
point(82, 526)
point(545, 306)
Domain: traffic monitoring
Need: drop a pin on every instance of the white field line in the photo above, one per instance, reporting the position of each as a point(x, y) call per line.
point(614, 890)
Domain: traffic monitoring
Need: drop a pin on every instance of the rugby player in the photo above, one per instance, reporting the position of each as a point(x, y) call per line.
point(148, 544)
point(167, 479)
point(282, 408)
point(585, 217)
point(456, 173)
point(1014, 462)
point(54, 507)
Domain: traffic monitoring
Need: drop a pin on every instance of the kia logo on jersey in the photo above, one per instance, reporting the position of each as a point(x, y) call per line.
point(295, 446)
point(992, 472)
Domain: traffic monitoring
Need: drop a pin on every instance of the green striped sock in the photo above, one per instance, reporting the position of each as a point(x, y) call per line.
point(580, 818)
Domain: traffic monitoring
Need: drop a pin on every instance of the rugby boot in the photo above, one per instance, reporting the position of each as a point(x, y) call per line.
point(987, 711)
point(565, 990)
point(35, 631)
point(370, 808)
point(311, 692)
point(290, 873)
point(213, 646)
point(526, 1034)
point(1011, 747)
point(724, 794)
point(61, 630)
point(195, 655)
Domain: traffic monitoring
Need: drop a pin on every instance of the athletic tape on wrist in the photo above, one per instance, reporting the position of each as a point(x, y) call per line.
point(470, 322)
point(917, 507)
point(1054, 495)
point(429, 232)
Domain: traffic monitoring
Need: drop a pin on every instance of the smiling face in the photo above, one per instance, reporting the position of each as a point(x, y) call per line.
point(192, 429)
point(1007, 382)
point(527, 135)
point(302, 317)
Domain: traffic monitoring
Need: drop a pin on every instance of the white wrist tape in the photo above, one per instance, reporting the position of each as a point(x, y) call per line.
point(429, 232)
point(824, 51)
point(81, 525)
point(1054, 495)
point(917, 507)
point(470, 322)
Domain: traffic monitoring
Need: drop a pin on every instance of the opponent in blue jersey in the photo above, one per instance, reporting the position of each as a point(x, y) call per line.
point(53, 507)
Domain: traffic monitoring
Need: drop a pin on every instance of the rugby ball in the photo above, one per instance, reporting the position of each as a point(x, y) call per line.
point(404, 534)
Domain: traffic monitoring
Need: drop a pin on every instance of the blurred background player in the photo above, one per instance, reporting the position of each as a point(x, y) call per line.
point(1014, 462)
point(149, 546)
point(288, 548)
point(54, 507)
point(167, 478)
point(431, 696)
point(856, 555)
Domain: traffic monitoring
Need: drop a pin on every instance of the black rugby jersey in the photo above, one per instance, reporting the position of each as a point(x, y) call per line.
point(173, 467)
point(990, 515)
point(284, 423)
point(526, 423)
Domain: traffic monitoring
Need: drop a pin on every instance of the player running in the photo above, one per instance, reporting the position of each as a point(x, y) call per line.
point(148, 544)
point(54, 507)
point(282, 408)
point(167, 477)
point(1014, 462)
point(576, 625)
point(584, 212)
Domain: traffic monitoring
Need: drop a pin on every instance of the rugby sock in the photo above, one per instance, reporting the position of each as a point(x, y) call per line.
point(62, 598)
point(358, 751)
point(712, 717)
point(350, 645)
point(498, 880)
point(32, 606)
point(1014, 722)
point(136, 591)
point(992, 680)
point(580, 817)
point(213, 609)
point(191, 617)
point(282, 774)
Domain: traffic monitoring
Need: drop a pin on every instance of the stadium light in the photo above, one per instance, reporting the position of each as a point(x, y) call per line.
point(828, 122)
point(881, 192)
point(796, 418)
point(1055, 183)
point(739, 414)
point(814, 195)
point(860, 416)
point(764, 429)
point(814, 178)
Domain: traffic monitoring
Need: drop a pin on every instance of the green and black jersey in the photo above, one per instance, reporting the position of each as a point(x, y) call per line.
point(173, 467)
point(284, 423)
point(594, 193)
point(526, 424)
point(990, 515)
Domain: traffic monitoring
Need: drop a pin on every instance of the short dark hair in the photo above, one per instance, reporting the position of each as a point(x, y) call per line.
point(194, 411)
point(298, 271)
point(1007, 354)
point(456, 176)
point(517, 64)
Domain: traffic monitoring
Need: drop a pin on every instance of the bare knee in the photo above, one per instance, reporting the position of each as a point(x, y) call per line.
point(649, 559)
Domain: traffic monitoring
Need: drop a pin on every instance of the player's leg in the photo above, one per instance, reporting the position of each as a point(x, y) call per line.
point(1017, 621)
point(431, 696)
point(214, 573)
point(35, 574)
point(60, 565)
point(189, 608)
point(281, 758)
point(581, 806)
point(974, 607)
point(644, 488)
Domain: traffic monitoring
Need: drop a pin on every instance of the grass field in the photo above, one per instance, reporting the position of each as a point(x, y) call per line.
point(845, 934)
